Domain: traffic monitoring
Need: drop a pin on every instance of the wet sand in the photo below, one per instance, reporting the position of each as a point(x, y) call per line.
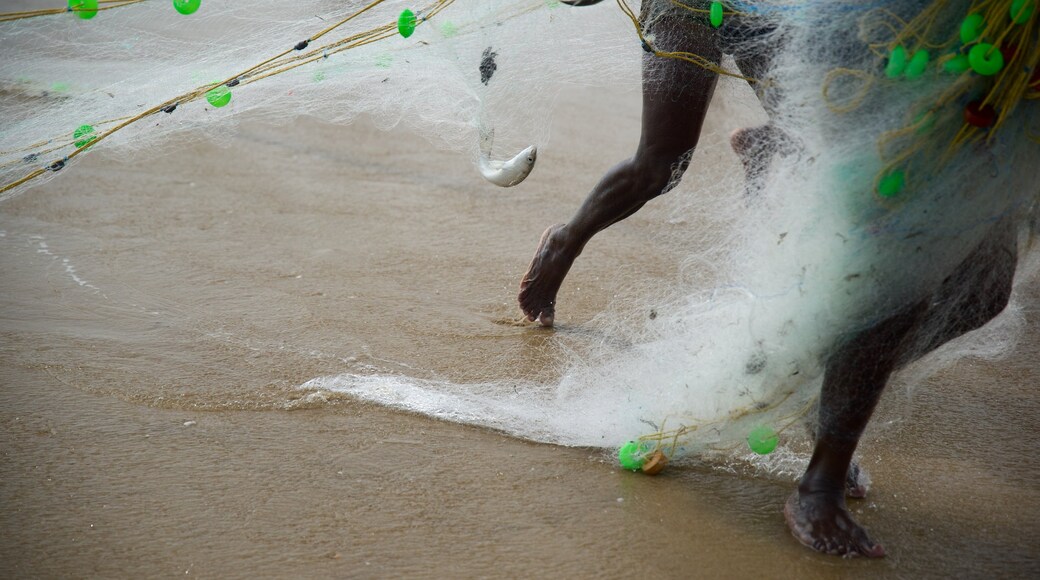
point(157, 314)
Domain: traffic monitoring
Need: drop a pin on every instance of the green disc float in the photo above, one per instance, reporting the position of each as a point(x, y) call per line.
point(715, 14)
point(406, 23)
point(972, 27)
point(85, 9)
point(186, 6)
point(957, 64)
point(892, 183)
point(763, 440)
point(917, 65)
point(632, 456)
point(985, 59)
point(83, 135)
point(896, 62)
point(1022, 10)
point(219, 96)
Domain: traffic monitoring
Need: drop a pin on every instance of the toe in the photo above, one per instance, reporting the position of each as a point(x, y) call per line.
point(867, 547)
point(875, 551)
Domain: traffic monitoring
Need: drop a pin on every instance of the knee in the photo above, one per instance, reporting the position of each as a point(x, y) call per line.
point(658, 173)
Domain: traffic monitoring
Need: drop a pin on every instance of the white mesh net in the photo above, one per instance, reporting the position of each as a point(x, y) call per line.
point(874, 198)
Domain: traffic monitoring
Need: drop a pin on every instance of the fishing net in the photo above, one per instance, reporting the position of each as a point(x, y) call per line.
point(904, 150)
point(141, 75)
point(884, 191)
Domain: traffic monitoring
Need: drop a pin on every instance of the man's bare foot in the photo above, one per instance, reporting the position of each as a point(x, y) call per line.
point(820, 521)
point(544, 276)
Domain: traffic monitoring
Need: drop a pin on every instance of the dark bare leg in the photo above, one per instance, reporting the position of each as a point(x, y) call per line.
point(972, 295)
point(676, 95)
point(755, 145)
point(856, 480)
point(855, 377)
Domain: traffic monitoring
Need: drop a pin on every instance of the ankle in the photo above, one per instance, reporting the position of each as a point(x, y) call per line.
point(563, 241)
point(813, 485)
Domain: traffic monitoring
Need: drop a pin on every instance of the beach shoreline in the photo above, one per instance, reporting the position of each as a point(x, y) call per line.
point(159, 316)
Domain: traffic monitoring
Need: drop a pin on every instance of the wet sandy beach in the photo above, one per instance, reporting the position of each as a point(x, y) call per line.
point(158, 312)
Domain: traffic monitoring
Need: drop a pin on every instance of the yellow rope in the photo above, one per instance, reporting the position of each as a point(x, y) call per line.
point(672, 436)
point(679, 4)
point(857, 99)
point(928, 30)
point(689, 57)
point(291, 58)
point(925, 31)
point(11, 16)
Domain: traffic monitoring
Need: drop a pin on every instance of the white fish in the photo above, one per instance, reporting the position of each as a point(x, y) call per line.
point(504, 173)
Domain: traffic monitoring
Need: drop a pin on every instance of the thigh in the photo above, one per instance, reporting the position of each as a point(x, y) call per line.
point(676, 92)
point(752, 40)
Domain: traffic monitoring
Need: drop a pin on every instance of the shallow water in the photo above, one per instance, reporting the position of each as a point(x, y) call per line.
point(158, 316)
